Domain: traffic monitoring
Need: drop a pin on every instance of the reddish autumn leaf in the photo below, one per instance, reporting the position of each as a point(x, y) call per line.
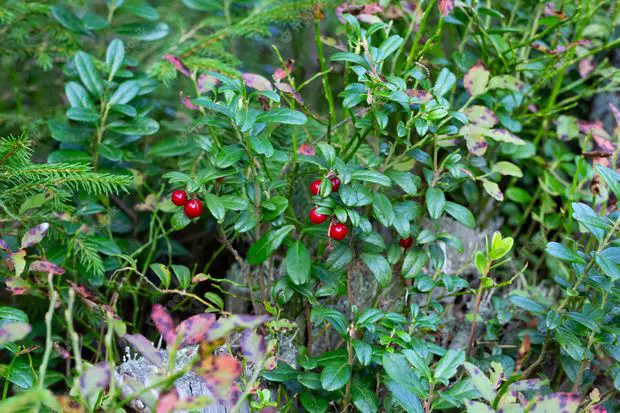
point(168, 401)
point(280, 74)
point(445, 7)
point(194, 330)
point(17, 285)
point(164, 323)
point(81, 290)
point(178, 64)
point(46, 267)
point(306, 149)
point(220, 373)
point(187, 102)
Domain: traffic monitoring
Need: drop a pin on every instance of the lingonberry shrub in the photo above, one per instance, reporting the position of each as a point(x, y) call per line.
point(390, 206)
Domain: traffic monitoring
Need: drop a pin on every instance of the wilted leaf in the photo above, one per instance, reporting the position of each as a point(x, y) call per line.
point(95, 379)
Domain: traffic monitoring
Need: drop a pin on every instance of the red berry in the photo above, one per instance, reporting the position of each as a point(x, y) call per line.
point(315, 186)
point(338, 231)
point(219, 179)
point(179, 197)
point(335, 184)
point(406, 242)
point(317, 218)
point(193, 208)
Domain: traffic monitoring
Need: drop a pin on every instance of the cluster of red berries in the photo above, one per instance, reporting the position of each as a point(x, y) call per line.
point(337, 231)
point(193, 208)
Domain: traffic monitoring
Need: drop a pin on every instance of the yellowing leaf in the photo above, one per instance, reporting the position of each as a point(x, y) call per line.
point(477, 79)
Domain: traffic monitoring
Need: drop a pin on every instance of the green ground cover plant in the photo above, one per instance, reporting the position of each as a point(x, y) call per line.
point(296, 205)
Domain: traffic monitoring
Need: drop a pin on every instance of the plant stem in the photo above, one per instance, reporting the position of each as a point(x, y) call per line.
point(48, 330)
point(418, 35)
point(75, 343)
point(99, 137)
point(472, 332)
point(326, 85)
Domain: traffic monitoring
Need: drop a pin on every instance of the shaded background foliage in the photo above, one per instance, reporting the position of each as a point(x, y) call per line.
point(484, 115)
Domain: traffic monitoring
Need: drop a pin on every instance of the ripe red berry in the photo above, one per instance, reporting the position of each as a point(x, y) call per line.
point(193, 208)
point(335, 184)
point(406, 242)
point(317, 218)
point(338, 231)
point(315, 186)
point(179, 197)
point(219, 179)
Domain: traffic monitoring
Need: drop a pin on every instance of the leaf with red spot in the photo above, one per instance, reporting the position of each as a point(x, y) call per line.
point(493, 189)
point(17, 285)
point(419, 96)
point(81, 290)
point(164, 323)
point(178, 64)
point(477, 79)
point(95, 379)
point(220, 373)
point(46, 267)
point(34, 235)
point(502, 135)
point(143, 346)
point(195, 329)
point(167, 402)
point(556, 402)
point(445, 7)
point(252, 345)
point(13, 332)
point(257, 82)
point(224, 326)
point(306, 149)
point(280, 74)
point(506, 82)
point(474, 139)
point(481, 116)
